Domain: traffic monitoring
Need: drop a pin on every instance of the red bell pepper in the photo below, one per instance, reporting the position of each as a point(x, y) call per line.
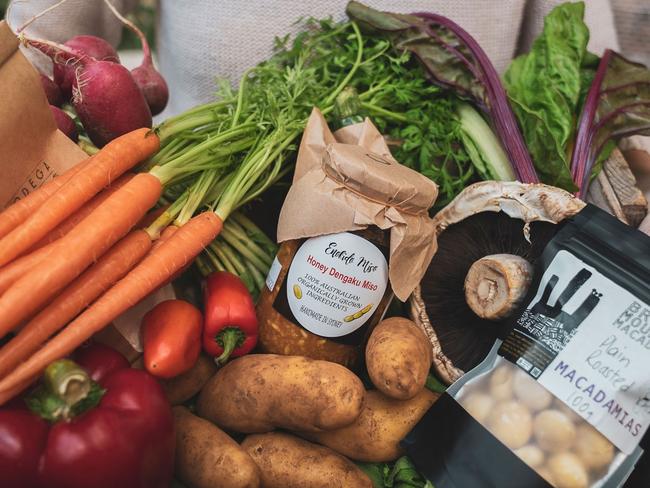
point(230, 322)
point(114, 430)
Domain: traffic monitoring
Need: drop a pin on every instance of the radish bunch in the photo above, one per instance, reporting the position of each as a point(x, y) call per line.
point(108, 99)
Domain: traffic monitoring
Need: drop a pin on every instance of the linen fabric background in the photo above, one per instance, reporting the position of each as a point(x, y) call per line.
point(199, 40)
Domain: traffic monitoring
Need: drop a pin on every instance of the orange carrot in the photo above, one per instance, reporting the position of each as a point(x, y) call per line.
point(67, 225)
point(111, 267)
point(19, 266)
point(113, 160)
point(156, 268)
point(75, 251)
point(14, 215)
point(164, 235)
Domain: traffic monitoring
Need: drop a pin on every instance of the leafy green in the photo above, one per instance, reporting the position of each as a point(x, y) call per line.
point(419, 118)
point(453, 60)
point(616, 105)
point(305, 71)
point(402, 474)
point(483, 147)
point(547, 87)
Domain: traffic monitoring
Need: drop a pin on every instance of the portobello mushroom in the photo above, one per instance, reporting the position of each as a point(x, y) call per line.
point(489, 238)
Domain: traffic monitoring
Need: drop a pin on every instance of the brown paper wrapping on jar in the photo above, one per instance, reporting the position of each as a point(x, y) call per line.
point(348, 181)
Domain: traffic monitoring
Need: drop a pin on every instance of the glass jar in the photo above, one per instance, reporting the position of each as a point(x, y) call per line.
point(325, 294)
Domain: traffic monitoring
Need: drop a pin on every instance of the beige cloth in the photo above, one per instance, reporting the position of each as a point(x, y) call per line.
point(199, 40)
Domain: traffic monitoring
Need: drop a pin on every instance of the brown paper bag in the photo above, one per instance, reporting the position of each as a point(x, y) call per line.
point(348, 181)
point(33, 149)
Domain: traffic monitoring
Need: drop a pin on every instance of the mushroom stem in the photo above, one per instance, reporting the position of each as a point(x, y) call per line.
point(496, 284)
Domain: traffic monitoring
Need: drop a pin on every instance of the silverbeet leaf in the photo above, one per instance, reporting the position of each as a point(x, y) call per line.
point(547, 87)
point(617, 105)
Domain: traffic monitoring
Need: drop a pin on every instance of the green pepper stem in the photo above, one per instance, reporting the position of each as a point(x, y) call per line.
point(67, 380)
point(230, 338)
point(66, 391)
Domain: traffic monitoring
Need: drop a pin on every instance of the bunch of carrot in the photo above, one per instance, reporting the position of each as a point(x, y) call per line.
point(72, 256)
point(74, 243)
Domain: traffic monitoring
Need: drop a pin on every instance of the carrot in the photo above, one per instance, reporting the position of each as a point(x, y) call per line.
point(68, 224)
point(14, 215)
point(154, 270)
point(22, 265)
point(164, 235)
point(19, 266)
point(75, 251)
point(115, 158)
point(111, 267)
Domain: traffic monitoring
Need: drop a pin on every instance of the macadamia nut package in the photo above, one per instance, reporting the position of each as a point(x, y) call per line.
point(564, 399)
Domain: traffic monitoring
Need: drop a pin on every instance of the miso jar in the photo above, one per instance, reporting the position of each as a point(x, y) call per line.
point(325, 294)
point(354, 229)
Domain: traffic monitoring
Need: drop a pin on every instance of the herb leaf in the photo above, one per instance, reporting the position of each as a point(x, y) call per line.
point(454, 60)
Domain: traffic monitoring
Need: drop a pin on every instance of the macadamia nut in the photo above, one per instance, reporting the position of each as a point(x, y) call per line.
point(593, 449)
point(530, 392)
point(568, 471)
point(554, 431)
point(545, 473)
point(511, 423)
point(478, 405)
point(532, 455)
point(568, 411)
point(501, 383)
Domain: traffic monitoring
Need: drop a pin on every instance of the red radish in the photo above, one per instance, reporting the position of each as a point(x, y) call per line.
point(92, 46)
point(52, 91)
point(105, 95)
point(150, 81)
point(65, 123)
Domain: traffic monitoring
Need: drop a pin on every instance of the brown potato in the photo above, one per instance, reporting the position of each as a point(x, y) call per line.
point(183, 387)
point(259, 392)
point(206, 457)
point(398, 357)
point(376, 434)
point(286, 461)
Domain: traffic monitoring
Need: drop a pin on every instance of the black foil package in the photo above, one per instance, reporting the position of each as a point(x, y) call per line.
point(564, 398)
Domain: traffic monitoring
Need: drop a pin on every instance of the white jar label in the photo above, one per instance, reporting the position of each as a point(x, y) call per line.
point(274, 272)
point(587, 340)
point(335, 283)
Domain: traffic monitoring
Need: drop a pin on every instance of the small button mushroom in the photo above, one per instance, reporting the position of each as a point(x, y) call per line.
point(568, 471)
point(554, 431)
point(593, 449)
point(511, 423)
point(478, 405)
point(530, 392)
point(501, 382)
point(532, 455)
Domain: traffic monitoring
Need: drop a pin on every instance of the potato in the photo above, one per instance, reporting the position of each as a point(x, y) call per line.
point(259, 392)
point(398, 358)
point(286, 461)
point(183, 387)
point(207, 457)
point(376, 434)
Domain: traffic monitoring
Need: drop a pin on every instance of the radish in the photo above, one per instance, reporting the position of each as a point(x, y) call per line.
point(65, 123)
point(92, 46)
point(104, 94)
point(52, 91)
point(150, 81)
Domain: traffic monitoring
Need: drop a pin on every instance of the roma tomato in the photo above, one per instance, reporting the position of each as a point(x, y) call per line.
point(171, 333)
